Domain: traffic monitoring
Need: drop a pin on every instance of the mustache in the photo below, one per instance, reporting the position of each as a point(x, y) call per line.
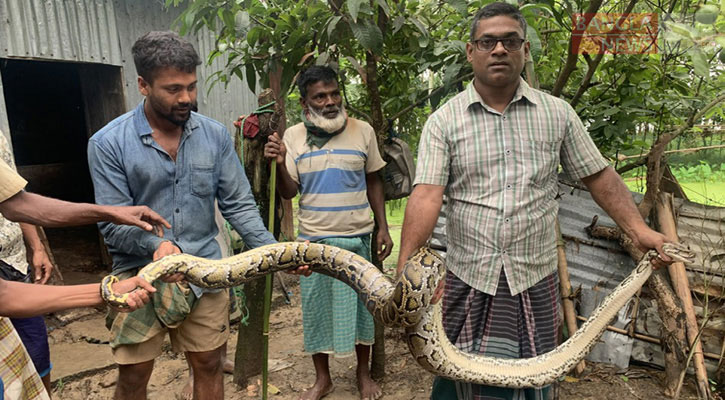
point(185, 106)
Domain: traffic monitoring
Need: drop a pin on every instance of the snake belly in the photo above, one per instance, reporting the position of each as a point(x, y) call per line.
point(404, 302)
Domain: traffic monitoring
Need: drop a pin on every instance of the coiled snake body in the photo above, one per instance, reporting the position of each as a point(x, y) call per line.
point(405, 302)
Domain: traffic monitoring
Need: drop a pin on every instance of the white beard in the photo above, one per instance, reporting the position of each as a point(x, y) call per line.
point(328, 125)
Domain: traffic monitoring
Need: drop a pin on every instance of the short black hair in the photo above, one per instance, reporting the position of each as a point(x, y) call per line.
point(314, 74)
point(162, 49)
point(494, 10)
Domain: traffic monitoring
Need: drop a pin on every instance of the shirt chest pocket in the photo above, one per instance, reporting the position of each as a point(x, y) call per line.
point(540, 161)
point(202, 180)
point(352, 171)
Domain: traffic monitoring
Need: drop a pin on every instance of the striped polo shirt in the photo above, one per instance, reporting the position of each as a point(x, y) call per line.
point(333, 192)
point(500, 172)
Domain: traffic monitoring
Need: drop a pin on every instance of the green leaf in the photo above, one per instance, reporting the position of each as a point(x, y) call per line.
point(332, 24)
point(699, 62)
point(228, 18)
point(720, 39)
point(535, 42)
point(423, 41)
point(681, 29)
point(707, 14)
point(353, 6)
point(251, 78)
point(461, 6)
point(435, 98)
point(369, 35)
point(398, 23)
point(322, 58)
point(451, 74)
point(254, 34)
point(384, 6)
point(419, 25)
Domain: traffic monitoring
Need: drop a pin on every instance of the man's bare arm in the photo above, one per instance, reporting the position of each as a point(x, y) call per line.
point(45, 211)
point(421, 215)
point(20, 300)
point(610, 192)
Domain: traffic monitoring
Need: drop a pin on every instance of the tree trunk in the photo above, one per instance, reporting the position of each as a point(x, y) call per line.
point(377, 365)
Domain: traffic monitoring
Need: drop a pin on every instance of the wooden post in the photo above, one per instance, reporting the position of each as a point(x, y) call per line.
point(248, 357)
point(565, 288)
point(666, 220)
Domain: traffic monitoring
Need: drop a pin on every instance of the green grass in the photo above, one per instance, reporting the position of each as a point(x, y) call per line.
point(710, 193)
point(394, 212)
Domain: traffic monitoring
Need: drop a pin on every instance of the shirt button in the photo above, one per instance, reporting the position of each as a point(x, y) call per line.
point(508, 186)
point(177, 210)
point(507, 220)
point(508, 152)
point(504, 252)
point(504, 118)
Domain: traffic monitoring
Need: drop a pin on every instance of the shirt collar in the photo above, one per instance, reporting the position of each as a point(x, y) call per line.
point(143, 128)
point(524, 91)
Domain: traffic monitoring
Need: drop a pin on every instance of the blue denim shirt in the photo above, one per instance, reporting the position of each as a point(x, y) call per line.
point(128, 167)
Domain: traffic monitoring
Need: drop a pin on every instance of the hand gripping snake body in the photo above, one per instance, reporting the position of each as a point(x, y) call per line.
point(405, 302)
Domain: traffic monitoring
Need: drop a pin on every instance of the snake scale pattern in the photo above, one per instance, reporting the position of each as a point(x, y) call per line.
point(405, 302)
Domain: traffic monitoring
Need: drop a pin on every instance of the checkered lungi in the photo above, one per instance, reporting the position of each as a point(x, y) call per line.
point(334, 319)
point(503, 326)
point(19, 379)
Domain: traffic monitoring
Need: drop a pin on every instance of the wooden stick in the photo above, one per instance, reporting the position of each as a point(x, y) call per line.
point(646, 338)
point(666, 220)
point(565, 287)
point(623, 157)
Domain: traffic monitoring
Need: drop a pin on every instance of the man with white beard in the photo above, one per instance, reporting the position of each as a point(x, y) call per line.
point(333, 161)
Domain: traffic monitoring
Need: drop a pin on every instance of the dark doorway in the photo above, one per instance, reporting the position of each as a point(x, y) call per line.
point(52, 109)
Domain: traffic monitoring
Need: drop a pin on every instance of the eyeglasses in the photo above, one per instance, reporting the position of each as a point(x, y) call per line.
point(488, 44)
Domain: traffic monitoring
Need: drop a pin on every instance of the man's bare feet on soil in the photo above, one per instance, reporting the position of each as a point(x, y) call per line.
point(369, 389)
point(318, 391)
point(227, 366)
point(187, 393)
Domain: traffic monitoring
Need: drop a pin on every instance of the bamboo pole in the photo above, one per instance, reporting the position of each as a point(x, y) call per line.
point(665, 217)
point(623, 157)
point(268, 285)
point(565, 287)
point(647, 338)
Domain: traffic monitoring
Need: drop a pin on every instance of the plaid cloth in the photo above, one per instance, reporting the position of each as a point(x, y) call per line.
point(171, 303)
point(503, 326)
point(334, 319)
point(18, 375)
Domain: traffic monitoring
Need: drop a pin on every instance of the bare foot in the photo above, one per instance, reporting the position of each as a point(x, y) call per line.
point(318, 391)
point(228, 366)
point(187, 393)
point(369, 389)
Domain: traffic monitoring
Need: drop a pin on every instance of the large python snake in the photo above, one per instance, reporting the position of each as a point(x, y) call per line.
point(406, 302)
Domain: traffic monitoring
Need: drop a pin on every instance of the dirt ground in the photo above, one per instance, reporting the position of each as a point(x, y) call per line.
point(83, 369)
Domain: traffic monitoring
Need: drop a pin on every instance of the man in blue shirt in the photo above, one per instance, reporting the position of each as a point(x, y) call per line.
point(178, 162)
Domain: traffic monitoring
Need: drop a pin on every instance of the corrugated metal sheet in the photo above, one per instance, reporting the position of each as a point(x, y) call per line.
point(136, 17)
point(83, 31)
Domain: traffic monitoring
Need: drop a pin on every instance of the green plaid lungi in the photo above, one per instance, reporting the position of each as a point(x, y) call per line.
point(333, 317)
point(170, 304)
